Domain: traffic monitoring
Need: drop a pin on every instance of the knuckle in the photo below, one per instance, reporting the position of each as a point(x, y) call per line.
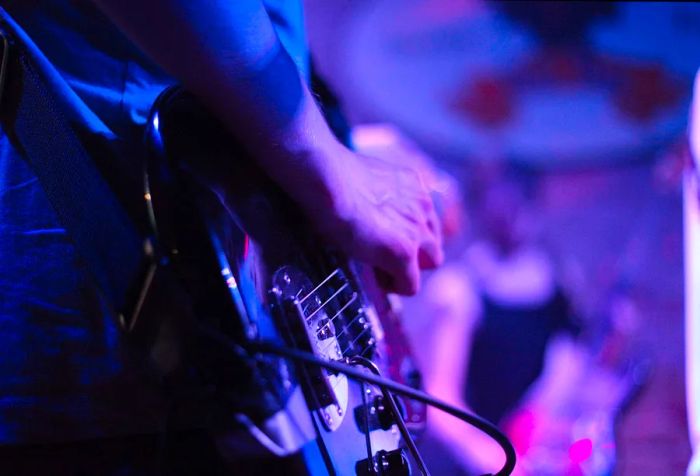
point(412, 177)
point(425, 202)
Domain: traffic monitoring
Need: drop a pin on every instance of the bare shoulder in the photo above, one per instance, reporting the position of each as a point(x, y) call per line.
point(451, 294)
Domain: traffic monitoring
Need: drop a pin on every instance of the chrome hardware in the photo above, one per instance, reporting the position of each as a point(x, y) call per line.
point(328, 419)
point(309, 318)
point(397, 418)
point(326, 329)
point(384, 463)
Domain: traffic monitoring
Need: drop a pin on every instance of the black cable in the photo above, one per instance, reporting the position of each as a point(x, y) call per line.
point(353, 373)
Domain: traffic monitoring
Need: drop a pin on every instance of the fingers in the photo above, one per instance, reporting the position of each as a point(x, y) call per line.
point(419, 246)
point(423, 215)
point(393, 223)
point(397, 267)
point(407, 280)
point(430, 253)
point(403, 260)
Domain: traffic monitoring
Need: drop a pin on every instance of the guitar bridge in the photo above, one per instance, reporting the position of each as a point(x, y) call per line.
point(311, 317)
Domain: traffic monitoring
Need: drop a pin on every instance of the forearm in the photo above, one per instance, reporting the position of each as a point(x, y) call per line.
point(228, 55)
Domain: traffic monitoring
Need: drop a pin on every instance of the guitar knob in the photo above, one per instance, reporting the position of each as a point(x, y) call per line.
point(377, 414)
point(383, 412)
point(385, 463)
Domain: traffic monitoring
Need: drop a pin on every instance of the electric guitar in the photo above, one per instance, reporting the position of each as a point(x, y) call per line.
point(253, 271)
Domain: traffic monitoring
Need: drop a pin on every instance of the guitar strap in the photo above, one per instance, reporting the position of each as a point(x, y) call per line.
point(42, 117)
point(73, 157)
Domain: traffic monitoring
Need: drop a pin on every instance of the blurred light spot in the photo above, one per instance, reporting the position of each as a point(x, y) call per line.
point(581, 450)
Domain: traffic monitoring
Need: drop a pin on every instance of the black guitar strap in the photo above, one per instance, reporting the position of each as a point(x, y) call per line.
point(42, 123)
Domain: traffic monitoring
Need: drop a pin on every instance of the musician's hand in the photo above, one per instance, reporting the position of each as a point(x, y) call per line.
point(387, 142)
point(384, 216)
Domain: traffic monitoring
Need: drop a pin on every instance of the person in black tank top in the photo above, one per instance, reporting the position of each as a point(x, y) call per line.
point(492, 315)
point(522, 305)
point(508, 351)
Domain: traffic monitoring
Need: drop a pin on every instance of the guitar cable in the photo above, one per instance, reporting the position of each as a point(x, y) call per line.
point(251, 349)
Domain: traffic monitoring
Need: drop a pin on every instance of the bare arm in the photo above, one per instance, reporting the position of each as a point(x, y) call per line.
point(227, 53)
point(454, 311)
point(691, 225)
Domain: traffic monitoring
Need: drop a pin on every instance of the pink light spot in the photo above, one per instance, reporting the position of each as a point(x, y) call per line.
point(246, 246)
point(520, 428)
point(580, 450)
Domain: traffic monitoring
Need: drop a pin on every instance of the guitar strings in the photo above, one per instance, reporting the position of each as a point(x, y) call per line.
point(337, 314)
point(326, 303)
point(323, 305)
point(349, 347)
point(345, 329)
point(313, 291)
point(355, 340)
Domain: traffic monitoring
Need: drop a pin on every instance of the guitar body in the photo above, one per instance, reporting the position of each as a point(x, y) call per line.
point(253, 272)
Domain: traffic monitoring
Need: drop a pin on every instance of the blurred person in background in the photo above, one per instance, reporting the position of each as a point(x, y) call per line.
point(495, 332)
point(520, 304)
point(493, 312)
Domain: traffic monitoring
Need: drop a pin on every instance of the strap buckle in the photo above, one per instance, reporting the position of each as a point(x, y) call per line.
point(4, 55)
point(140, 290)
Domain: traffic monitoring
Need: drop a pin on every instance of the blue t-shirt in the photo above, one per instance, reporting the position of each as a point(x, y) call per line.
point(64, 371)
